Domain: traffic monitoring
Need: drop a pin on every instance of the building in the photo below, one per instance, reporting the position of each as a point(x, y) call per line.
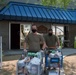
point(15, 15)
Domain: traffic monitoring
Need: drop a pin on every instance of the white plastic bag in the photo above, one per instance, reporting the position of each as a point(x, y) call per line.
point(35, 61)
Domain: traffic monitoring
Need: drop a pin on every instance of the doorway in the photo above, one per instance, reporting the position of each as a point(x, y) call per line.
point(15, 36)
point(59, 31)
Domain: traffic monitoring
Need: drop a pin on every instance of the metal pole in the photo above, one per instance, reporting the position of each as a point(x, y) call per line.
point(0, 52)
point(55, 29)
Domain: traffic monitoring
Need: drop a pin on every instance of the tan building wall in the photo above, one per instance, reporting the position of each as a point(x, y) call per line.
point(5, 29)
point(4, 32)
point(72, 34)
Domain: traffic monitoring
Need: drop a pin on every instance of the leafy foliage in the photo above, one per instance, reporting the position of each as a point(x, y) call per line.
point(56, 3)
point(1, 1)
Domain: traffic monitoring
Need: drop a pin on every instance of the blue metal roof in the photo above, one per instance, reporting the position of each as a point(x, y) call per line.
point(31, 12)
point(73, 15)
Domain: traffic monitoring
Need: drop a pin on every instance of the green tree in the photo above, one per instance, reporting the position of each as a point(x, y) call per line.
point(56, 3)
point(1, 1)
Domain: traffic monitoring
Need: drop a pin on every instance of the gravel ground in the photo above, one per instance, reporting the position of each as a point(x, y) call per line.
point(9, 67)
point(70, 65)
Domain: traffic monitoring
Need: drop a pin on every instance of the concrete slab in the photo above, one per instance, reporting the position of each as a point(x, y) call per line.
point(65, 51)
point(68, 51)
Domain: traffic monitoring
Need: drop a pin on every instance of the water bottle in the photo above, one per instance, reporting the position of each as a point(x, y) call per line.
point(42, 56)
point(48, 61)
point(23, 56)
point(42, 53)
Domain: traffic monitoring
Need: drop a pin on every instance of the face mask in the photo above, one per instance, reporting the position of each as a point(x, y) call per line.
point(34, 30)
point(50, 34)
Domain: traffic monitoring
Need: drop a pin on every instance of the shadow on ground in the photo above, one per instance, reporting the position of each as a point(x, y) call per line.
point(11, 57)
